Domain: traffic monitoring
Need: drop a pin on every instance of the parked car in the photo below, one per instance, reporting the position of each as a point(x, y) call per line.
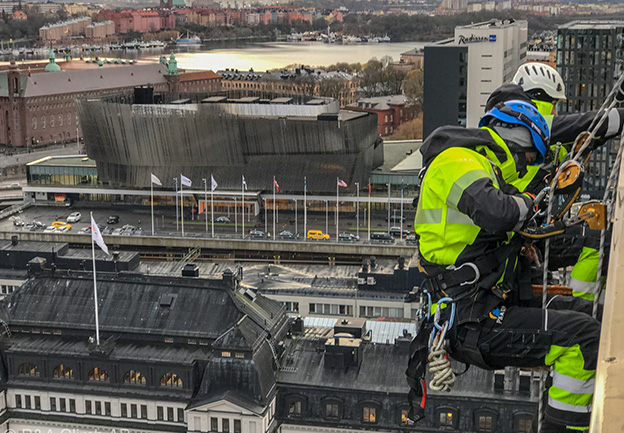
point(381, 238)
point(107, 230)
point(285, 234)
point(117, 232)
point(257, 234)
point(397, 233)
point(411, 239)
point(396, 219)
point(58, 224)
point(317, 234)
point(347, 237)
point(63, 229)
point(128, 230)
point(222, 219)
point(74, 217)
point(17, 221)
point(112, 219)
point(138, 231)
point(50, 229)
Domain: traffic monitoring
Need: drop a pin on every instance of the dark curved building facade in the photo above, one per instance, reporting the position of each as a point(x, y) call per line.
point(230, 137)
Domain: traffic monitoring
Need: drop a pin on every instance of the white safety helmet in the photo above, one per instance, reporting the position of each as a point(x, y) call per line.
point(533, 76)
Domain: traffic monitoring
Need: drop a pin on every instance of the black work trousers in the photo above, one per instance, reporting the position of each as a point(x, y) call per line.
point(564, 336)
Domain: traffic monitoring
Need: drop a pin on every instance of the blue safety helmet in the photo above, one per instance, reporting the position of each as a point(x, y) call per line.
point(518, 112)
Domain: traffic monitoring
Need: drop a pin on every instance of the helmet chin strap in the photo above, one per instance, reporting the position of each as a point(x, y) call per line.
point(518, 140)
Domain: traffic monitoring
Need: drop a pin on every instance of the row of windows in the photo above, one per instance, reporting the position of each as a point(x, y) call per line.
point(332, 309)
point(96, 407)
point(52, 121)
point(6, 289)
point(484, 420)
point(100, 375)
point(375, 311)
point(224, 426)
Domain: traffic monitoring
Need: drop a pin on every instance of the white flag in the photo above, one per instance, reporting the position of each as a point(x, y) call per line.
point(185, 180)
point(213, 183)
point(156, 180)
point(244, 183)
point(97, 236)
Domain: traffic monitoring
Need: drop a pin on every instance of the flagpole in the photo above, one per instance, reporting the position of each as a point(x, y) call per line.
point(357, 209)
point(211, 206)
point(402, 195)
point(296, 217)
point(177, 209)
point(152, 193)
point(243, 208)
point(388, 205)
point(337, 208)
point(369, 207)
point(235, 217)
point(206, 202)
point(182, 203)
point(274, 207)
point(305, 207)
point(95, 295)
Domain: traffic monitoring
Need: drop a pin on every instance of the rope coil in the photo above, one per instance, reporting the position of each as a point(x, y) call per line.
point(440, 367)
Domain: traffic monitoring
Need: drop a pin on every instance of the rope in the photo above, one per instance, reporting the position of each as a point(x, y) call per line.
point(440, 365)
point(544, 374)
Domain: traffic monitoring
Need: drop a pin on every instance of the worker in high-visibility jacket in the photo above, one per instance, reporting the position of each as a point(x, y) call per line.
point(544, 87)
point(466, 218)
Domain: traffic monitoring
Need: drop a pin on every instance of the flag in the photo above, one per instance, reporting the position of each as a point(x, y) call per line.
point(185, 181)
point(244, 183)
point(276, 185)
point(156, 180)
point(97, 236)
point(369, 187)
point(305, 184)
point(213, 183)
point(342, 183)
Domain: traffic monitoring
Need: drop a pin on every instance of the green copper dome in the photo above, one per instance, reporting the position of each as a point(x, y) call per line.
point(52, 66)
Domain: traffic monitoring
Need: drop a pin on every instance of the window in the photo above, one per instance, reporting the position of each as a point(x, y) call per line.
point(107, 408)
point(34, 122)
point(160, 414)
point(98, 375)
point(172, 380)
point(53, 403)
point(63, 372)
point(62, 405)
point(214, 424)
point(170, 414)
point(181, 415)
point(226, 354)
point(447, 418)
point(27, 400)
point(240, 355)
point(51, 120)
point(43, 122)
point(369, 414)
point(28, 370)
point(237, 426)
point(18, 401)
point(133, 411)
point(124, 410)
point(88, 406)
point(134, 376)
point(524, 424)
point(332, 410)
point(144, 411)
point(37, 402)
point(484, 423)
point(294, 408)
point(60, 119)
point(98, 408)
point(225, 425)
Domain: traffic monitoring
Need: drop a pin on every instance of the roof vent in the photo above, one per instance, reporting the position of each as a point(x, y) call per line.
point(167, 300)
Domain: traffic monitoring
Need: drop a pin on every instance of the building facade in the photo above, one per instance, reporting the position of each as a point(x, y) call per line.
point(40, 108)
point(392, 111)
point(55, 32)
point(100, 30)
point(444, 95)
point(495, 51)
point(300, 81)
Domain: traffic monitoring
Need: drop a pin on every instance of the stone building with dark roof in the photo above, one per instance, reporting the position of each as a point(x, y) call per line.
point(170, 347)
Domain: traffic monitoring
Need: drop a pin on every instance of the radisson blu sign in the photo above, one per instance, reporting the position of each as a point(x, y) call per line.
point(474, 38)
